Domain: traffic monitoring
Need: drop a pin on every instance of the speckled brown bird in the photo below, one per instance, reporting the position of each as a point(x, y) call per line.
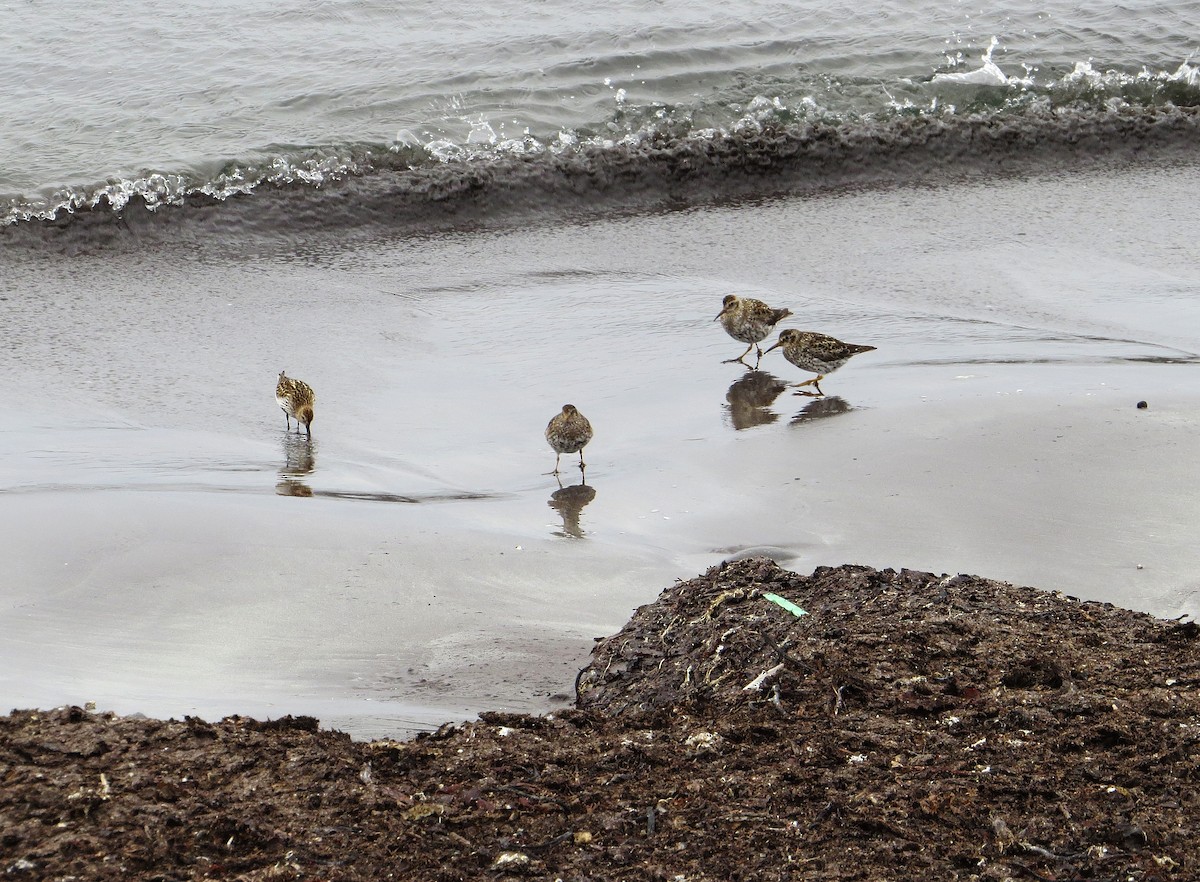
point(750, 321)
point(816, 352)
point(568, 432)
point(296, 399)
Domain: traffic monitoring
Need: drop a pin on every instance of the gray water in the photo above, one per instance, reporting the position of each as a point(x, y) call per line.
point(152, 101)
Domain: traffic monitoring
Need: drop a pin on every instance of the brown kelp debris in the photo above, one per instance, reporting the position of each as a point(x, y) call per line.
point(751, 723)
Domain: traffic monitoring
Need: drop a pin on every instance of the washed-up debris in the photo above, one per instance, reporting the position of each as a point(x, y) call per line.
point(908, 726)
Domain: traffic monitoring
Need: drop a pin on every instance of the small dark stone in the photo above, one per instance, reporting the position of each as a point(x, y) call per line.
point(1134, 837)
point(1141, 405)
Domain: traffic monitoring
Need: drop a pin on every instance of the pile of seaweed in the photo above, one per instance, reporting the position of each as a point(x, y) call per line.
point(751, 723)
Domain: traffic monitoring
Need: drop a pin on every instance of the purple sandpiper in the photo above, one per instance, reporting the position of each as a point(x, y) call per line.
point(749, 321)
point(816, 352)
point(296, 399)
point(568, 432)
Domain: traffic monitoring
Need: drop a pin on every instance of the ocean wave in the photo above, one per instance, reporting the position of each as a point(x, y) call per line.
point(953, 123)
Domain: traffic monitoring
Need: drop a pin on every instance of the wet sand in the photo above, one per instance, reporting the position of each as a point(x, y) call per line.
point(171, 550)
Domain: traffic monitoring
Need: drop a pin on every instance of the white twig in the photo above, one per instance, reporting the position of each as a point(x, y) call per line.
point(757, 683)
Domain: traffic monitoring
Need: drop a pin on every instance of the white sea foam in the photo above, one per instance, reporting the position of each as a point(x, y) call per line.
point(988, 74)
point(1085, 74)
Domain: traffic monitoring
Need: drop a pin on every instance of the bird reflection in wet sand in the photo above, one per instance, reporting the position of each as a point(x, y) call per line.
point(569, 502)
point(749, 321)
point(568, 432)
point(296, 399)
point(819, 408)
point(750, 396)
point(817, 353)
point(299, 459)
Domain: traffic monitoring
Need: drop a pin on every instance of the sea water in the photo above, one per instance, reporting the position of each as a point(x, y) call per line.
point(148, 104)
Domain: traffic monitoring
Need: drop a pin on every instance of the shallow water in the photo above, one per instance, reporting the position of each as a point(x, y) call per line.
point(467, 337)
point(173, 550)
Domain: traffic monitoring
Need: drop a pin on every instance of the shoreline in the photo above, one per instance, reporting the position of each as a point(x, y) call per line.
point(426, 560)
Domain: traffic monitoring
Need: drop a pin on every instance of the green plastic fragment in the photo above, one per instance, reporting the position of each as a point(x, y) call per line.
point(786, 604)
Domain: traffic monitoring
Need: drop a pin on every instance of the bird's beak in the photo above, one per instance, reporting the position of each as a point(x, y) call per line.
point(769, 348)
point(721, 313)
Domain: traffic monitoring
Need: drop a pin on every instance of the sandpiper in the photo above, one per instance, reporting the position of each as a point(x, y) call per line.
point(568, 432)
point(295, 399)
point(816, 352)
point(750, 321)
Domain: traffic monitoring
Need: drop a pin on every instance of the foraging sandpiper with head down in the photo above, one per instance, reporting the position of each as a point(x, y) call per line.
point(816, 352)
point(749, 321)
point(296, 400)
point(568, 432)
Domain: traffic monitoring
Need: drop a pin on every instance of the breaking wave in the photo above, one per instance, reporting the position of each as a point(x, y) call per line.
point(813, 135)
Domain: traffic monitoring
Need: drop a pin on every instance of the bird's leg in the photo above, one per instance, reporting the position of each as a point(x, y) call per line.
point(740, 357)
point(811, 382)
point(815, 383)
point(582, 464)
point(287, 421)
point(557, 457)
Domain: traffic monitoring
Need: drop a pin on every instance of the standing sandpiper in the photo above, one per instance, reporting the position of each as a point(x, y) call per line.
point(568, 432)
point(750, 321)
point(819, 353)
point(295, 399)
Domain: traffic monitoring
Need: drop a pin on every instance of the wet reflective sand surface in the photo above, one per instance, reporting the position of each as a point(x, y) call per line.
point(171, 549)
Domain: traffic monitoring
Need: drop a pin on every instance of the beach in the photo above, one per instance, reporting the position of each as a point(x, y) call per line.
point(750, 723)
point(937, 622)
point(173, 550)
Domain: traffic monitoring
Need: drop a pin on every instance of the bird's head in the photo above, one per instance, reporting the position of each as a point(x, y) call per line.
point(727, 304)
point(785, 337)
